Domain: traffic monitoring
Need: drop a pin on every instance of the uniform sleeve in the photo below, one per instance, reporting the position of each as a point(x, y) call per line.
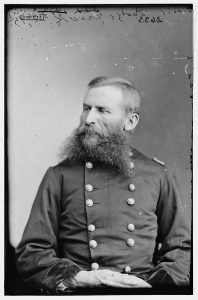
point(173, 259)
point(37, 253)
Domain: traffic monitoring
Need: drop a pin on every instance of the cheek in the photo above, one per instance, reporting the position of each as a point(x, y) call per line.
point(103, 122)
point(112, 126)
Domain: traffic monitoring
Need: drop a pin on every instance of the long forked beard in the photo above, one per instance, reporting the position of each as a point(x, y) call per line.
point(111, 151)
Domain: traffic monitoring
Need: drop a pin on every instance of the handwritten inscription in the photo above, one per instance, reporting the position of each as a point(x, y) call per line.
point(35, 17)
point(142, 15)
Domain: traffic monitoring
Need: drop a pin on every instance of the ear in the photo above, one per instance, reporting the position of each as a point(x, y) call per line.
point(131, 121)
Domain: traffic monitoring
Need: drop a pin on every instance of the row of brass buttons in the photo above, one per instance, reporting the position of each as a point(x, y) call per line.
point(89, 187)
point(93, 244)
point(95, 266)
point(130, 201)
point(91, 227)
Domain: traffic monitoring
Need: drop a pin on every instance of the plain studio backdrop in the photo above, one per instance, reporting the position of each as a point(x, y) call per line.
point(53, 52)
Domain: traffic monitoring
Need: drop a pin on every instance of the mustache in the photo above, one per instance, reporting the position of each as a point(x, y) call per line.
point(90, 130)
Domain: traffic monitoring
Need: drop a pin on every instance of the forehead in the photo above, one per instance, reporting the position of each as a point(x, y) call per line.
point(108, 96)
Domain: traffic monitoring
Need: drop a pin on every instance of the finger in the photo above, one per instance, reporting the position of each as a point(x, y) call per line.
point(139, 281)
point(126, 279)
point(122, 279)
point(113, 283)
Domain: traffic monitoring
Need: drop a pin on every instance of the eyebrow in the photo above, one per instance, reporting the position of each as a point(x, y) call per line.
point(97, 106)
point(103, 107)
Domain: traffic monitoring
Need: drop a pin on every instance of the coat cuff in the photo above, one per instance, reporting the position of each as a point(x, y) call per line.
point(69, 283)
point(64, 271)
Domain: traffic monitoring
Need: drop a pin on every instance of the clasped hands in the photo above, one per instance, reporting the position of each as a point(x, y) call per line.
point(109, 278)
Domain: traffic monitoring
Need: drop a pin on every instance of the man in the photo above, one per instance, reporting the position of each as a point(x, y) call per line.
point(100, 214)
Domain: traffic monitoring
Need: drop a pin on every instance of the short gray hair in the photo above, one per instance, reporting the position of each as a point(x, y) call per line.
point(130, 94)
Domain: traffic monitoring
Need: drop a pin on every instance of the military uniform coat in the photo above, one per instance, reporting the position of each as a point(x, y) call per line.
point(89, 217)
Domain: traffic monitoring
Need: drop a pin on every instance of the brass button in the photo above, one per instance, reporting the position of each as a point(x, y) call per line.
point(127, 269)
point(93, 244)
point(131, 227)
point(89, 165)
point(89, 202)
point(94, 266)
point(131, 165)
point(89, 188)
point(130, 201)
point(130, 242)
point(130, 153)
point(91, 228)
point(131, 187)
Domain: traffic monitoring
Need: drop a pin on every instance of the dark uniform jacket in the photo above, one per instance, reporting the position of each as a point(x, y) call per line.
point(90, 217)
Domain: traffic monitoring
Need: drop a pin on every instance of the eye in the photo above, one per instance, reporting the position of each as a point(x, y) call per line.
point(103, 110)
point(86, 108)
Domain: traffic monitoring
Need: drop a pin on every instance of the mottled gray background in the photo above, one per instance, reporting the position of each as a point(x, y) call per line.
point(53, 53)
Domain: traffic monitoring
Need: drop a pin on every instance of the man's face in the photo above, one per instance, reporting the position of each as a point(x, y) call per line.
point(103, 113)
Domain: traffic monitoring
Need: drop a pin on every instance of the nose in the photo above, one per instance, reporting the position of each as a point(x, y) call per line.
point(90, 118)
